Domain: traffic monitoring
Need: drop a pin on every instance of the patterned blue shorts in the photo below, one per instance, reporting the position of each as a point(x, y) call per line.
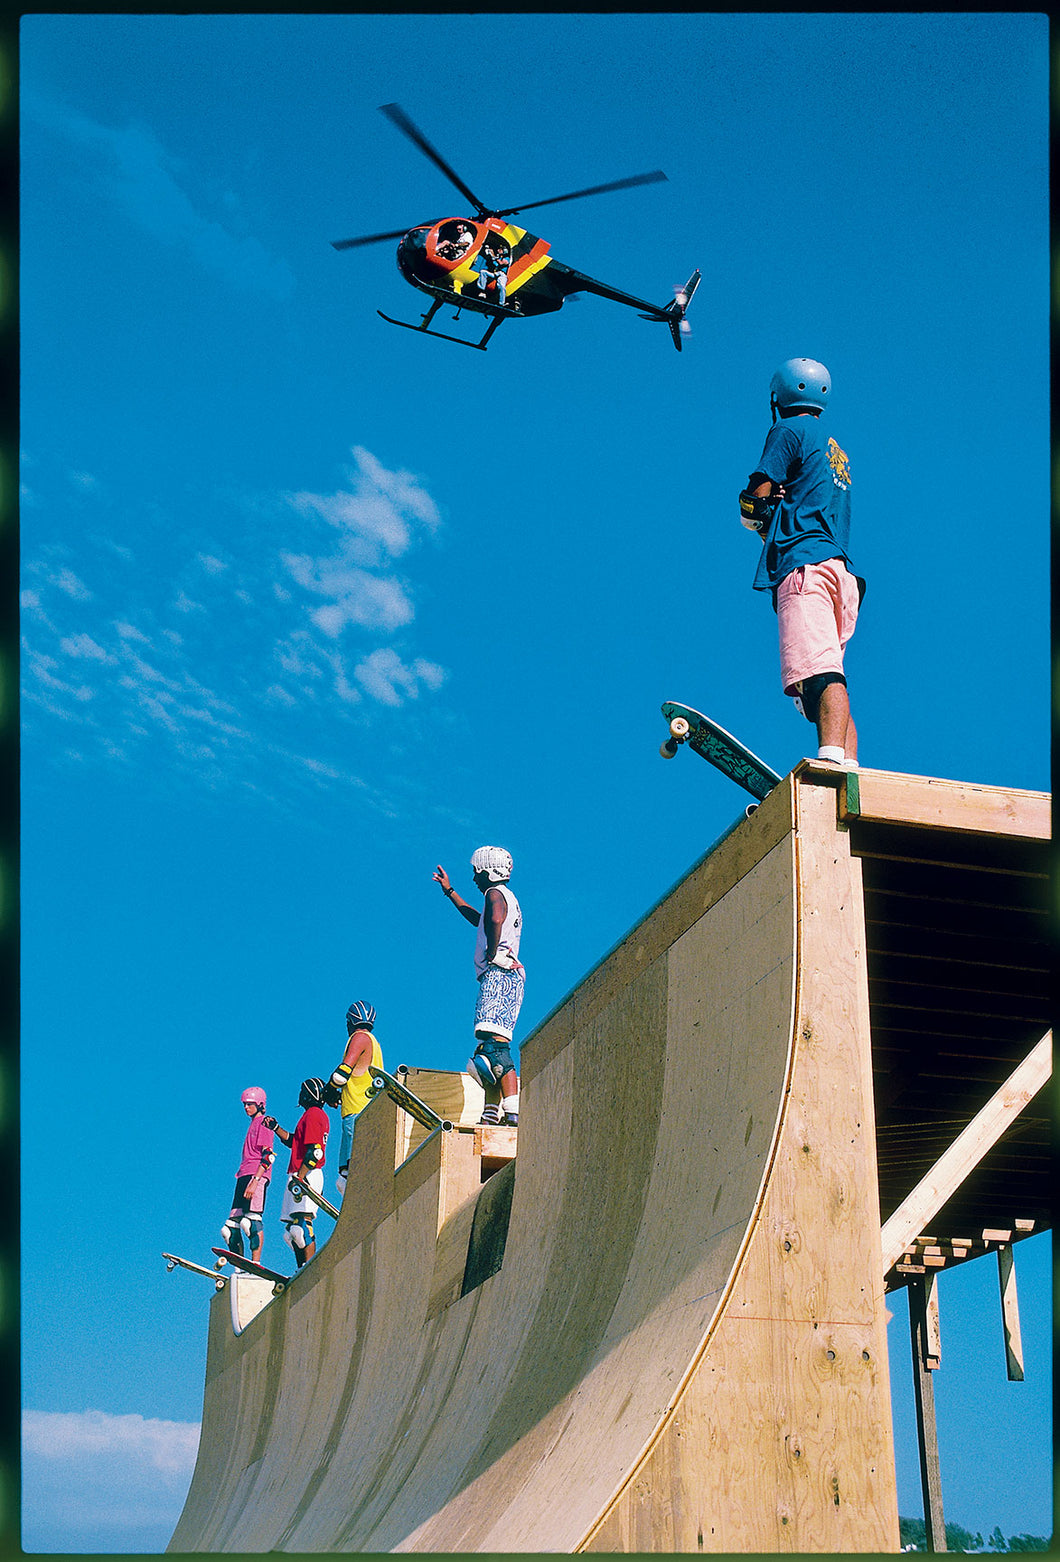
point(500, 997)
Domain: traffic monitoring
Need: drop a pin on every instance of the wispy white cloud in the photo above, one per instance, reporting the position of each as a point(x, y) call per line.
point(96, 1481)
point(377, 516)
point(84, 645)
point(168, 1446)
point(274, 651)
point(357, 597)
point(68, 582)
point(384, 675)
point(131, 166)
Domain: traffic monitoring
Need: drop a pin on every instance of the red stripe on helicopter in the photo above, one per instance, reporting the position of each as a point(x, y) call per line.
point(532, 261)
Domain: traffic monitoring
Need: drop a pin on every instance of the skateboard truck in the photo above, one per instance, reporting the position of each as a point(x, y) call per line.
point(712, 743)
point(173, 1260)
point(679, 730)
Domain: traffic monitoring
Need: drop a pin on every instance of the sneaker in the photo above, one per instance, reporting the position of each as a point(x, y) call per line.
point(491, 1116)
point(510, 1120)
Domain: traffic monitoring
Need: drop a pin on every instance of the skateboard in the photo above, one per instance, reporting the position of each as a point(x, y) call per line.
point(713, 743)
point(249, 1267)
point(318, 1198)
point(185, 1263)
point(404, 1098)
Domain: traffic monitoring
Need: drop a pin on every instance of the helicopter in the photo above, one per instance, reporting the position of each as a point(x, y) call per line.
point(489, 266)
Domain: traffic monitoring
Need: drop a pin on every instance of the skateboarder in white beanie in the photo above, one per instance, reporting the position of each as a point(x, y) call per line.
point(500, 977)
point(798, 501)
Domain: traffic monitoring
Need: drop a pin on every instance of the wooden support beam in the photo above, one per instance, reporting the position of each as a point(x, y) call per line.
point(966, 1151)
point(927, 1431)
point(955, 805)
point(1010, 1317)
point(932, 1329)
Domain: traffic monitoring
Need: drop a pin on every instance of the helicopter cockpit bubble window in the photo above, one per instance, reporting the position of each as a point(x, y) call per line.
point(412, 255)
point(454, 241)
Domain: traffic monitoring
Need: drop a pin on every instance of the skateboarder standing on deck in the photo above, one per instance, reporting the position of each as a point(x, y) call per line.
point(350, 1086)
point(252, 1180)
point(307, 1144)
point(798, 501)
point(500, 978)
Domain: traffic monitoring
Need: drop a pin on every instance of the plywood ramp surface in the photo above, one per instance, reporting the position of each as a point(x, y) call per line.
point(683, 1347)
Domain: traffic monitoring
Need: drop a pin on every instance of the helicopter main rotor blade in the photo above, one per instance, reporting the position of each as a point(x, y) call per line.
point(369, 238)
point(655, 177)
point(397, 116)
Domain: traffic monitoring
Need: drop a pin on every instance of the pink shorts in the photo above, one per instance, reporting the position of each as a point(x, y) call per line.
point(817, 609)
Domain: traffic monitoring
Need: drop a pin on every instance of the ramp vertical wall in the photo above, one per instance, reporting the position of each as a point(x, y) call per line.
point(684, 1345)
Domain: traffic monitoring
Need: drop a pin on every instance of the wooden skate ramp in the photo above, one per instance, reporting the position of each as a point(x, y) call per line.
point(662, 1326)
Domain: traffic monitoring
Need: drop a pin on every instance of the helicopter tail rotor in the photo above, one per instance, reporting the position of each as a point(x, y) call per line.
point(674, 314)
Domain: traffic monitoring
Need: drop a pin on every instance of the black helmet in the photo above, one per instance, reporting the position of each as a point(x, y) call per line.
point(311, 1093)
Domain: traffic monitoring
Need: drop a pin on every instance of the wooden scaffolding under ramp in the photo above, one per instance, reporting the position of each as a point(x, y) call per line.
point(661, 1325)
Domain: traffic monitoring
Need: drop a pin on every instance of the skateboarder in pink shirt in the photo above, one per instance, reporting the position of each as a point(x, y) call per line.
point(252, 1180)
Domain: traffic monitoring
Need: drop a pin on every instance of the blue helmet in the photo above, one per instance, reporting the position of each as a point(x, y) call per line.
point(360, 1016)
point(800, 385)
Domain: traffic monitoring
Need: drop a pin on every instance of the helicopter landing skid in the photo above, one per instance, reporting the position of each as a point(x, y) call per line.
point(425, 328)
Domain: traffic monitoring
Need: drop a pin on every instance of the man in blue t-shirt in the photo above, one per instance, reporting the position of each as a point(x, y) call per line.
point(798, 501)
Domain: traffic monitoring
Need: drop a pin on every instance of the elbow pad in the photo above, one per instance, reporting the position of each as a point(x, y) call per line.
point(341, 1075)
point(313, 1156)
point(756, 512)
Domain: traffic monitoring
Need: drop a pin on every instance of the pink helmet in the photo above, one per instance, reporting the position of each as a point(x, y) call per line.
point(254, 1093)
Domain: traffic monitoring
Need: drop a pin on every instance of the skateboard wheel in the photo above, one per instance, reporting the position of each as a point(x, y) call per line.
point(220, 1284)
point(679, 728)
point(378, 1084)
point(668, 749)
point(171, 1267)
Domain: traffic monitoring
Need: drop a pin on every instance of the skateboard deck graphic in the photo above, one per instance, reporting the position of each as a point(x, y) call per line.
point(317, 1198)
point(720, 748)
point(172, 1260)
point(249, 1267)
point(404, 1098)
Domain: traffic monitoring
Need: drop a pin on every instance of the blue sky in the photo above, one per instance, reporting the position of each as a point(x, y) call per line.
point(309, 606)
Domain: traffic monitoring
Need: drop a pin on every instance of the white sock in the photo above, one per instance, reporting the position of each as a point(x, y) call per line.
point(511, 1104)
point(832, 751)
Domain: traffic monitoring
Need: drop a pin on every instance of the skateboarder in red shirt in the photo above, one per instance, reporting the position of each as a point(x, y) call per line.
point(252, 1179)
point(307, 1142)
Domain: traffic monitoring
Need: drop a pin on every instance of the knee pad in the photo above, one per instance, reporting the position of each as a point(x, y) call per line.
point(808, 693)
point(253, 1229)
point(233, 1241)
point(299, 1233)
point(479, 1069)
